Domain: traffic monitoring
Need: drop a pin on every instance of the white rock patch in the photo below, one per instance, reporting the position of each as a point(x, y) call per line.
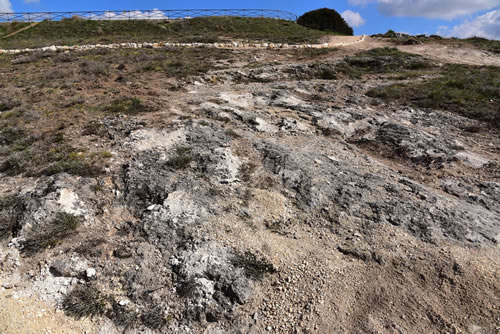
point(144, 140)
point(70, 202)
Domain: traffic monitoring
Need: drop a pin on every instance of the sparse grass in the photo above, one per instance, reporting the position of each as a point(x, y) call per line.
point(9, 28)
point(49, 157)
point(90, 248)
point(187, 288)
point(32, 57)
point(84, 301)
point(181, 63)
point(470, 91)
point(127, 106)
point(231, 133)
point(476, 42)
point(483, 44)
point(154, 318)
point(384, 60)
point(246, 171)
point(122, 316)
point(309, 53)
point(74, 164)
point(24, 151)
point(181, 159)
point(253, 266)
point(94, 68)
point(374, 61)
point(272, 30)
point(323, 71)
point(8, 224)
point(7, 104)
point(94, 128)
point(51, 234)
point(207, 29)
point(122, 252)
point(54, 74)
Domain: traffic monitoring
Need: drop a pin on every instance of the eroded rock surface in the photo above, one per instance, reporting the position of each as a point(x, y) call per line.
point(270, 199)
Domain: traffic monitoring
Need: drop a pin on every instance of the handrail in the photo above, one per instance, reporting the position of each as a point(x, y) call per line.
point(148, 14)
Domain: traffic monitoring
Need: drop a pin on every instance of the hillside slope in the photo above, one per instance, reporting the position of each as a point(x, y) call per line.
point(224, 191)
point(206, 29)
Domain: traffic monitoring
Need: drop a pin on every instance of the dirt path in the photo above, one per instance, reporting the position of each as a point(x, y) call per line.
point(455, 55)
point(21, 30)
point(29, 315)
point(435, 51)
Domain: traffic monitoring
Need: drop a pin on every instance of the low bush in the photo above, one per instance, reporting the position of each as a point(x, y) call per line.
point(84, 301)
point(127, 106)
point(326, 20)
point(181, 159)
point(8, 223)
point(470, 91)
point(94, 68)
point(253, 266)
point(51, 234)
point(154, 318)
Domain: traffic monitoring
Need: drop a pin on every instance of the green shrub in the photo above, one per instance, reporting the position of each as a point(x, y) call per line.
point(253, 266)
point(326, 20)
point(182, 158)
point(51, 234)
point(93, 68)
point(7, 104)
point(154, 318)
point(127, 105)
point(471, 91)
point(84, 301)
point(8, 222)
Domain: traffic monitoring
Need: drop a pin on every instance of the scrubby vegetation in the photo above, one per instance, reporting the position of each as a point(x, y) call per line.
point(254, 267)
point(181, 63)
point(154, 318)
point(471, 91)
point(84, 301)
point(374, 61)
point(127, 106)
point(51, 234)
point(8, 224)
point(384, 60)
point(45, 155)
point(325, 19)
point(182, 158)
point(478, 42)
point(206, 29)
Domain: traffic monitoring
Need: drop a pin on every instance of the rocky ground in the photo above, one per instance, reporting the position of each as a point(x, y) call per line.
point(266, 193)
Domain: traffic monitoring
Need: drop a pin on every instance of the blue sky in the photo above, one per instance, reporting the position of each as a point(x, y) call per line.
point(461, 18)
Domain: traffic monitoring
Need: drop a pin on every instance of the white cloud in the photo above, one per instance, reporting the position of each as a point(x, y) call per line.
point(436, 9)
point(360, 2)
point(155, 14)
point(487, 26)
point(5, 6)
point(353, 18)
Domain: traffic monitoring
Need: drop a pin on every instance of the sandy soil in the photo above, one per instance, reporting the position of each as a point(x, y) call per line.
point(31, 316)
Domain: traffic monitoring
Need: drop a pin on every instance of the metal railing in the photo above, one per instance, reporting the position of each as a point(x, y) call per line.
point(153, 14)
